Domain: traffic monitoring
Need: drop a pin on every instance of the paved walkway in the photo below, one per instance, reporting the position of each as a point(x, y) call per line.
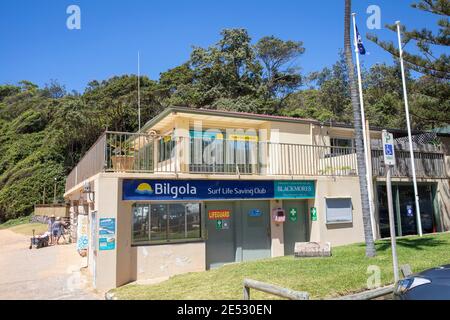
point(50, 273)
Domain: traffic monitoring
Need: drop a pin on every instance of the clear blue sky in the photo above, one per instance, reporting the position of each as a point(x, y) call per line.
point(37, 46)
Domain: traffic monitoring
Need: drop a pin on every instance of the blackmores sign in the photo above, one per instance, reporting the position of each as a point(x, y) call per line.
point(145, 189)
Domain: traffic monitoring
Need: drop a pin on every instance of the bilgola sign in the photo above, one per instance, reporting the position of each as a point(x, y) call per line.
point(196, 189)
point(215, 189)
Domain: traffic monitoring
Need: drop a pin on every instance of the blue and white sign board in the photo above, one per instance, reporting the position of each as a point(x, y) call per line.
point(146, 189)
point(107, 226)
point(388, 148)
point(409, 211)
point(107, 234)
point(255, 213)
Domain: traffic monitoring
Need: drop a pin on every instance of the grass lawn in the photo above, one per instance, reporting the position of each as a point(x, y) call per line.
point(23, 226)
point(344, 273)
point(27, 229)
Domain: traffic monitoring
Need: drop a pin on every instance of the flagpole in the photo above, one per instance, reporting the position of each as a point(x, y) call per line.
point(139, 91)
point(363, 122)
point(411, 150)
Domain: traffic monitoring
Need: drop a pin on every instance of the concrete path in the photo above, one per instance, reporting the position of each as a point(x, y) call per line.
point(51, 273)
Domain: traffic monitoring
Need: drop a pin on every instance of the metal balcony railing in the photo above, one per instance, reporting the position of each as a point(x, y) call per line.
point(137, 152)
point(114, 152)
point(427, 164)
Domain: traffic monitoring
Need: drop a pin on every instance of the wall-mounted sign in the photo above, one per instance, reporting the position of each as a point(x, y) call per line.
point(295, 190)
point(107, 234)
point(219, 224)
point(107, 226)
point(293, 214)
point(144, 189)
point(217, 135)
point(197, 189)
point(106, 243)
point(254, 213)
point(409, 211)
point(313, 212)
point(225, 224)
point(219, 214)
point(206, 135)
point(243, 137)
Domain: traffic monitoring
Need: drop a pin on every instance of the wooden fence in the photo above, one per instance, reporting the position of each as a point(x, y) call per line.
point(301, 295)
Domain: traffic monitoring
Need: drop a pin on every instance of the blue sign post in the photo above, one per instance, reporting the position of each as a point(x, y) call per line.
point(389, 162)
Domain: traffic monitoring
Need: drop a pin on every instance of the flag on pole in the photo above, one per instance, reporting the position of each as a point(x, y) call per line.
point(362, 50)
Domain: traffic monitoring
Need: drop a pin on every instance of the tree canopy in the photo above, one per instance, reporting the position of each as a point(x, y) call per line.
point(425, 40)
point(44, 131)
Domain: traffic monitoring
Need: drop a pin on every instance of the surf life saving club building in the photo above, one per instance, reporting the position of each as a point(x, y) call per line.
point(197, 189)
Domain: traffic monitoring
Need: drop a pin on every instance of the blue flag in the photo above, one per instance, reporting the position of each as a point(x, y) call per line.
point(360, 44)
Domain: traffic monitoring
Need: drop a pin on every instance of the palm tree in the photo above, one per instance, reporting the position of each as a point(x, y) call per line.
point(370, 245)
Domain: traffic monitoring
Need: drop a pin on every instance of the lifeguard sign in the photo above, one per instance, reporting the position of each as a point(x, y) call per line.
point(388, 148)
point(219, 214)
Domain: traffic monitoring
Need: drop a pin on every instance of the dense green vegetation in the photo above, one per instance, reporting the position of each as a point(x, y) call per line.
point(15, 222)
point(346, 272)
point(426, 59)
point(44, 131)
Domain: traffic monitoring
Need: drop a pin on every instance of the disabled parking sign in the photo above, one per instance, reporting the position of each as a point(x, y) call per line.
point(388, 148)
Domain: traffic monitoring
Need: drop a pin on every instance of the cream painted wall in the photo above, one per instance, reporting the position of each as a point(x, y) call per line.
point(314, 226)
point(343, 233)
point(286, 132)
point(162, 261)
point(126, 255)
point(106, 200)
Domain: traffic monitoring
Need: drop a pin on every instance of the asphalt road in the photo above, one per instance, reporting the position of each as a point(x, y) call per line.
point(52, 273)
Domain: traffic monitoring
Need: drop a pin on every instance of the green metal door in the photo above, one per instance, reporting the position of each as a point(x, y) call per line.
point(296, 225)
point(255, 229)
point(221, 241)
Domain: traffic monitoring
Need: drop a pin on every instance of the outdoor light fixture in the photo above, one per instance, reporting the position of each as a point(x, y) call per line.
point(87, 189)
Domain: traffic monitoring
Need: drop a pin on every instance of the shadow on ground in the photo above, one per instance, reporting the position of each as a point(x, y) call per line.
point(409, 243)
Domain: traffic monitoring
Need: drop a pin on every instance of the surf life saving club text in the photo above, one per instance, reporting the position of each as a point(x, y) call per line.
point(188, 189)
